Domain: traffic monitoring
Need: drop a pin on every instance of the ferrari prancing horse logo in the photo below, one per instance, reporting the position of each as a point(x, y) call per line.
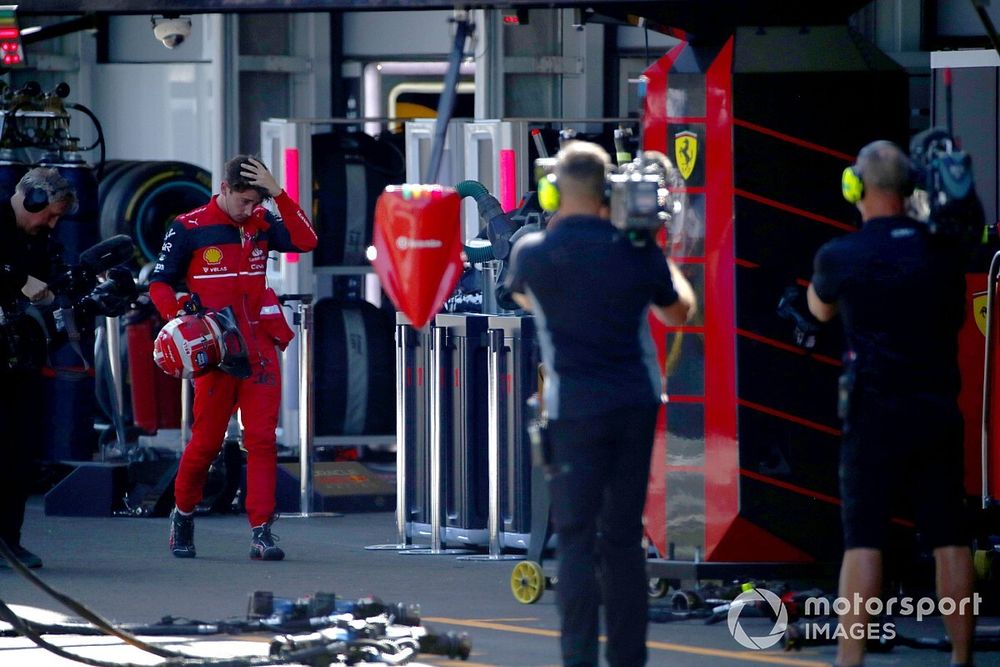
point(979, 310)
point(686, 152)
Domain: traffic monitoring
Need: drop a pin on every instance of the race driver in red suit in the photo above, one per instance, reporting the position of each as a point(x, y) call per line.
point(219, 252)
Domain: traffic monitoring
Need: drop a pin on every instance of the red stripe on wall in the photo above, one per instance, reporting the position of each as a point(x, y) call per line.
point(816, 495)
point(827, 360)
point(787, 416)
point(655, 137)
point(792, 140)
point(796, 211)
point(794, 488)
point(821, 358)
point(787, 347)
point(684, 398)
point(721, 445)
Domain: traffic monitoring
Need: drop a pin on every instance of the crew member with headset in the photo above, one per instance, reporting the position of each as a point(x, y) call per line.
point(40, 199)
point(591, 289)
point(218, 252)
point(901, 294)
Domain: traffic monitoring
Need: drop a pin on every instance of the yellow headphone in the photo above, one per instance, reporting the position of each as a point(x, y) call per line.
point(548, 193)
point(851, 185)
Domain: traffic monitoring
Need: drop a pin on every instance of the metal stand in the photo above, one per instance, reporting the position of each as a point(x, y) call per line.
point(438, 342)
point(114, 345)
point(187, 387)
point(402, 354)
point(304, 319)
point(494, 346)
point(490, 270)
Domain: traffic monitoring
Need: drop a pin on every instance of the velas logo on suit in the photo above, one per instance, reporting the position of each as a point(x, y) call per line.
point(257, 252)
point(212, 255)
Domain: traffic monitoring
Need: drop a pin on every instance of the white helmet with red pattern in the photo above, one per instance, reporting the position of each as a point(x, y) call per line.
point(191, 345)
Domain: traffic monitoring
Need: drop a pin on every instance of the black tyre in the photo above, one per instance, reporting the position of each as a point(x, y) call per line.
point(354, 369)
point(142, 200)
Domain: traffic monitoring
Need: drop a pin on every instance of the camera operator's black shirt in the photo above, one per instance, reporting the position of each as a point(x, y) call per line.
point(901, 294)
point(21, 255)
point(592, 289)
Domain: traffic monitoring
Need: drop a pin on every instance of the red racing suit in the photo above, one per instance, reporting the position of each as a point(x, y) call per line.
point(207, 253)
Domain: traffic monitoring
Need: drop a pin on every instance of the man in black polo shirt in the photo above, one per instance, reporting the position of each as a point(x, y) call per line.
point(901, 295)
point(591, 289)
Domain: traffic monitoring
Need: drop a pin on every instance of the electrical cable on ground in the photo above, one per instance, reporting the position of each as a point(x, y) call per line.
point(172, 657)
point(80, 609)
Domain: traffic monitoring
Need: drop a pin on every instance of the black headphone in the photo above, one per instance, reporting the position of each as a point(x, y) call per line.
point(35, 200)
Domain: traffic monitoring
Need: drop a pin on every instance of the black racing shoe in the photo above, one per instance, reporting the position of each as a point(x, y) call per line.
point(28, 559)
point(262, 544)
point(182, 534)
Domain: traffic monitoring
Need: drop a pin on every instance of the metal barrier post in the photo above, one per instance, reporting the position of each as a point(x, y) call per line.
point(495, 349)
point(438, 343)
point(304, 319)
point(114, 346)
point(305, 407)
point(490, 270)
point(402, 356)
point(186, 392)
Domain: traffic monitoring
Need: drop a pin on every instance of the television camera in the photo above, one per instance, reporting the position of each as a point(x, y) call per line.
point(946, 192)
point(96, 285)
point(642, 195)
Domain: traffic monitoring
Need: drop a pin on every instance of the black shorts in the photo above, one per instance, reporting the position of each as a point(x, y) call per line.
point(903, 457)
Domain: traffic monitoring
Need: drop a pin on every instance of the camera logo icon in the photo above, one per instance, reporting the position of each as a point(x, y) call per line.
point(763, 599)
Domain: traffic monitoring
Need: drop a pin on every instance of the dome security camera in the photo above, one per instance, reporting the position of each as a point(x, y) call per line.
point(171, 30)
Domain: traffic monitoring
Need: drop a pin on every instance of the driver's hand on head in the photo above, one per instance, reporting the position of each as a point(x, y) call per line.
point(259, 176)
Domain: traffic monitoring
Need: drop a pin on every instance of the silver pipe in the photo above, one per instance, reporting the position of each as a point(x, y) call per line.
point(991, 287)
point(305, 406)
point(114, 342)
point(494, 352)
point(186, 392)
point(402, 362)
point(490, 270)
point(436, 417)
point(438, 335)
point(495, 416)
point(401, 422)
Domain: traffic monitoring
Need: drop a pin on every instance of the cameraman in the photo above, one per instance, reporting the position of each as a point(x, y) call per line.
point(901, 292)
point(40, 199)
point(591, 289)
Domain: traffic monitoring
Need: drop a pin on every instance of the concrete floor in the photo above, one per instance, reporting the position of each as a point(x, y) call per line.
point(121, 569)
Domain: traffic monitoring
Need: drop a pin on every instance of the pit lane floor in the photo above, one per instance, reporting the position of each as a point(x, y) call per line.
point(121, 569)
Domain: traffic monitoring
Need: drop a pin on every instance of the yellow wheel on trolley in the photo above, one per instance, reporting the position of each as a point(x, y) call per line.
point(987, 565)
point(527, 582)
